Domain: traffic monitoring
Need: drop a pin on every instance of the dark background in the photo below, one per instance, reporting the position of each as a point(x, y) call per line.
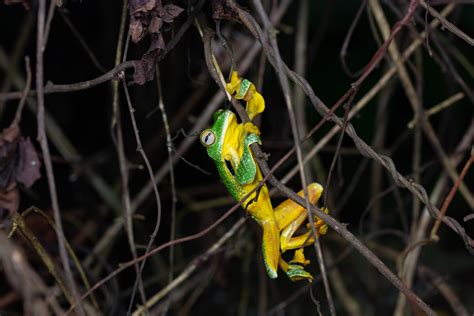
point(233, 281)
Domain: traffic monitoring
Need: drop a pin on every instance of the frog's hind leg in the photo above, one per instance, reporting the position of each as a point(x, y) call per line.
point(290, 216)
point(295, 269)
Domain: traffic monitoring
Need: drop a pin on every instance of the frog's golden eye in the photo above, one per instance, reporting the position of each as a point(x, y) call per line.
point(207, 137)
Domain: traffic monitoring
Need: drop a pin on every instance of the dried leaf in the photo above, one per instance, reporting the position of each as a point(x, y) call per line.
point(28, 164)
point(136, 30)
point(221, 11)
point(148, 16)
point(155, 25)
point(144, 69)
point(19, 161)
point(170, 12)
point(136, 6)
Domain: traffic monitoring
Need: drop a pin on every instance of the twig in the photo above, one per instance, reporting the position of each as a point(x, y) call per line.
point(448, 293)
point(47, 157)
point(82, 42)
point(64, 88)
point(439, 107)
point(449, 198)
point(117, 131)
point(450, 26)
point(25, 281)
point(347, 39)
point(21, 105)
point(150, 173)
point(18, 222)
point(169, 146)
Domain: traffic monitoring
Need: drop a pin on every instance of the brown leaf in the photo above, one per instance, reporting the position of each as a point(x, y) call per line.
point(136, 6)
point(136, 30)
point(19, 161)
point(144, 69)
point(155, 25)
point(28, 164)
point(170, 12)
point(221, 11)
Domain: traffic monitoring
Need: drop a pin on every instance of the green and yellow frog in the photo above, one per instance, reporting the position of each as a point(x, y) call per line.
point(228, 144)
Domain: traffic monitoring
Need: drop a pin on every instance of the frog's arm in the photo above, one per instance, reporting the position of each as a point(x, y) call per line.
point(243, 89)
point(247, 168)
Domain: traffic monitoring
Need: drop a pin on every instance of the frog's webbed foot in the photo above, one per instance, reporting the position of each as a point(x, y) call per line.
point(295, 268)
point(321, 226)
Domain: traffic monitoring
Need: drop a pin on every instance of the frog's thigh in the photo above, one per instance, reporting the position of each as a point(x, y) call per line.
point(287, 241)
point(297, 242)
point(288, 211)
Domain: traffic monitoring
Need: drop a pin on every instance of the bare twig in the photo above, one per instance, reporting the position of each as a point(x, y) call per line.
point(169, 146)
point(439, 107)
point(117, 131)
point(19, 222)
point(450, 26)
point(21, 105)
point(155, 187)
point(449, 198)
point(47, 156)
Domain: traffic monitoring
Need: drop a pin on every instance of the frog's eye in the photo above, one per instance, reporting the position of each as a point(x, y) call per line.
point(208, 137)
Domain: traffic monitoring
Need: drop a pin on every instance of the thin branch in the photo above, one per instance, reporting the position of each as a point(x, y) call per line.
point(450, 26)
point(21, 105)
point(449, 198)
point(43, 140)
point(150, 173)
point(439, 107)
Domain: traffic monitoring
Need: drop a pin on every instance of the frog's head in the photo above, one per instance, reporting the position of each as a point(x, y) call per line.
point(213, 138)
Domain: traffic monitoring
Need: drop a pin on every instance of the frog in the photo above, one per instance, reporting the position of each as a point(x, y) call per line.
point(228, 144)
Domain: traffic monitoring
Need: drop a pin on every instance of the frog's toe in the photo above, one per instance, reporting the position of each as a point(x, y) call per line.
point(296, 272)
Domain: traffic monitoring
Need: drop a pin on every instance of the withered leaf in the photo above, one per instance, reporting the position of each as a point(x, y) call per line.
point(147, 17)
point(19, 161)
point(170, 12)
point(28, 164)
point(136, 6)
point(144, 69)
point(155, 25)
point(136, 30)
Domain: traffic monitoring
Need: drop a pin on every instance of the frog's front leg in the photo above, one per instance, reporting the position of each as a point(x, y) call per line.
point(290, 216)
